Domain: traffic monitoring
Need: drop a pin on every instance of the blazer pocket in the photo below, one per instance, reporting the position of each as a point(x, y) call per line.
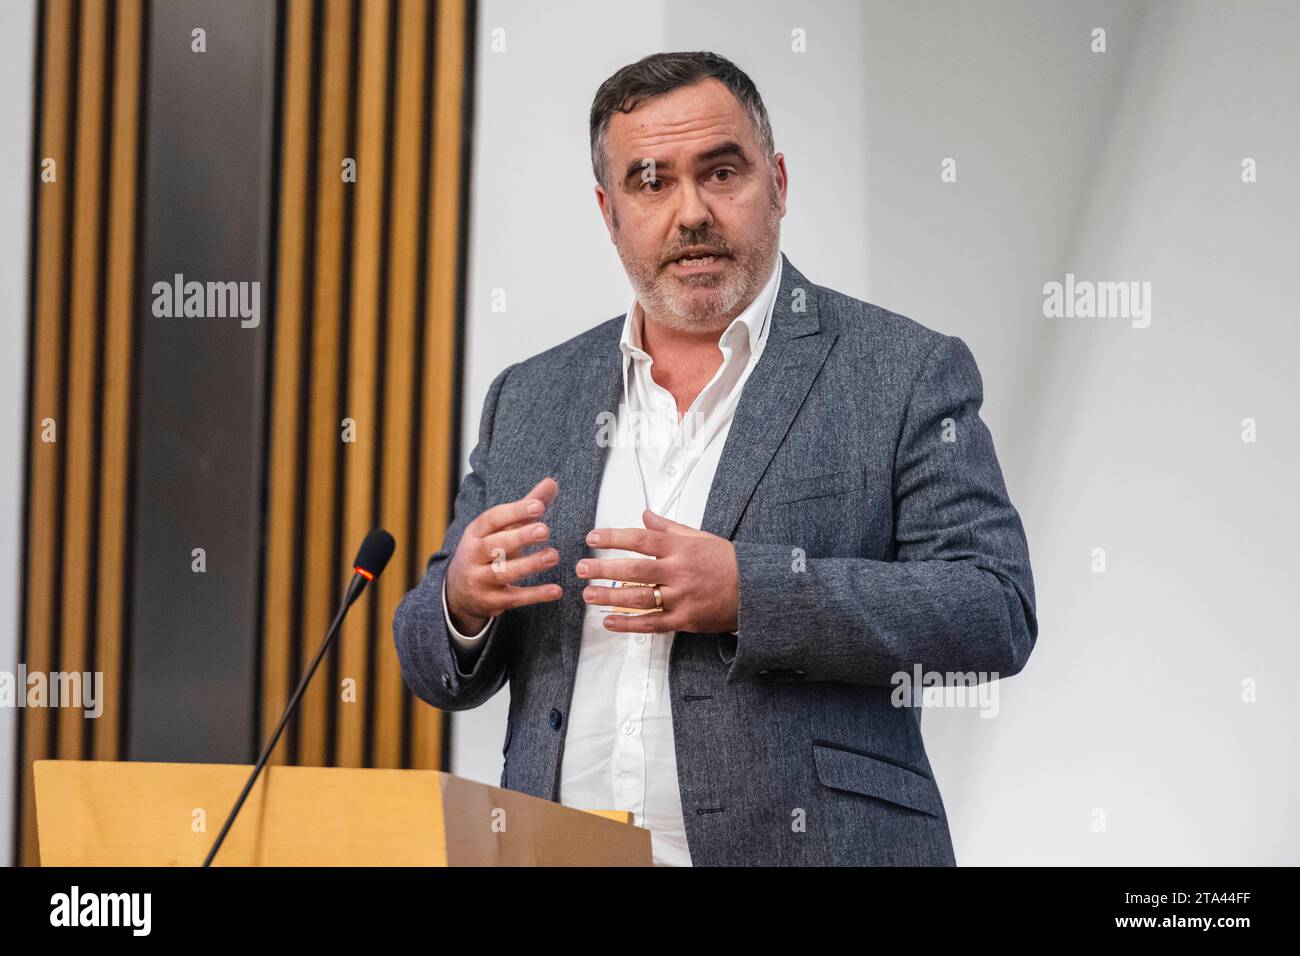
point(876, 777)
point(805, 487)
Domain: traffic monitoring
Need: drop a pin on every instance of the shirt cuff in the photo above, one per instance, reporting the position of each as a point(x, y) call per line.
point(468, 643)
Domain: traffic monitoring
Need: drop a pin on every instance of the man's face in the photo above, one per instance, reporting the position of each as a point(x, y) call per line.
point(693, 206)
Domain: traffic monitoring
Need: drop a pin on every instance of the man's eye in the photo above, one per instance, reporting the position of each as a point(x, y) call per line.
point(653, 184)
point(725, 173)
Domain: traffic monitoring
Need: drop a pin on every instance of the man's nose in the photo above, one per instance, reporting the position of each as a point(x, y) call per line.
point(693, 212)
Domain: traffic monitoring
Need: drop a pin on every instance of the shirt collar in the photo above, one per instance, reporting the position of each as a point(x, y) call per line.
point(753, 319)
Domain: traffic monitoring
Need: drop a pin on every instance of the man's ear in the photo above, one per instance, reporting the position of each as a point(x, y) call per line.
point(606, 204)
point(782, 179)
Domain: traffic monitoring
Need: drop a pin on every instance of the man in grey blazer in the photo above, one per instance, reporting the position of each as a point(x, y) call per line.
point(727, 666)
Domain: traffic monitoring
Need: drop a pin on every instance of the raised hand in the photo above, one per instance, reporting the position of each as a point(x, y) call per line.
point(490, 558)
point(696, 574)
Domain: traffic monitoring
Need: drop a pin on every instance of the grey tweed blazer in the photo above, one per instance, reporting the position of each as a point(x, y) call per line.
point(873, 533)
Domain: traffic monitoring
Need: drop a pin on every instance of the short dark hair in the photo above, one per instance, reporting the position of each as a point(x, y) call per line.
point(662, 73)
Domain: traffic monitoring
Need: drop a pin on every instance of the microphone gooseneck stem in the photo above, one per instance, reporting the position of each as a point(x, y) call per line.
point(357, 584)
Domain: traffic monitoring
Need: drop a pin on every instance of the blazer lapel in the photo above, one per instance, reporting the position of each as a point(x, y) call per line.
point(795, 352)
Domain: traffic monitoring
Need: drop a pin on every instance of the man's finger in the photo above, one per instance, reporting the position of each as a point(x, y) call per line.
point(658, 522)
point(620, 569)
point(641, 598)
point(661, 623)
point(511, 513)
point(640, 540)
point(508, 598)
point(512, 541)
point(506, 572)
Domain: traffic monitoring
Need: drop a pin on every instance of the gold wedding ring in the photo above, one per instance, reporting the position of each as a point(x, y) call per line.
point(659, 598)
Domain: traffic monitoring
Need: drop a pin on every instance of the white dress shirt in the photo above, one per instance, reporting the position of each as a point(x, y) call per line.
point(619, 752)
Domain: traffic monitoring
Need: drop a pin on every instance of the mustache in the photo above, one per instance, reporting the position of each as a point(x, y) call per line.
point(723, 247)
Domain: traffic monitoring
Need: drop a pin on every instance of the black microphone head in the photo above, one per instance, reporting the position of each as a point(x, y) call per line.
point(372, 556)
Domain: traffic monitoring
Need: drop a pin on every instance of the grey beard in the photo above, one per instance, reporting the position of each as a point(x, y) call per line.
point(677, 311)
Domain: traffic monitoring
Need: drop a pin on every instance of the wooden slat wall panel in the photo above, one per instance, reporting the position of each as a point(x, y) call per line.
point(447, 170)
point(368, 296)
point(82, 337)
point(321, 551)
point(401, 399)
point(363, 358)
point(81, 421)
point(44, 467)
point(115, 396)
point(284, 486)
point(369, 278)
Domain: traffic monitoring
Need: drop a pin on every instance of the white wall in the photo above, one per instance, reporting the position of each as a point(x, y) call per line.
point(1123, 165)
point(17, 61)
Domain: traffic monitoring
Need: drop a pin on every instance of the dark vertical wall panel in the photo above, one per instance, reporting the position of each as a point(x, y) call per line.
point(207, 194)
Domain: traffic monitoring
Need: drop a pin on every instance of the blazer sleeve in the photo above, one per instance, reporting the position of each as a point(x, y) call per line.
point(958, 598)
point(430, 665)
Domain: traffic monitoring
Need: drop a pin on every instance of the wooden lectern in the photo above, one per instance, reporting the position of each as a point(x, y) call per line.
point(101, 813)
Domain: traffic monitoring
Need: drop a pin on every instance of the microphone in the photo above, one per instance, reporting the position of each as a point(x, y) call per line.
point(372, 557)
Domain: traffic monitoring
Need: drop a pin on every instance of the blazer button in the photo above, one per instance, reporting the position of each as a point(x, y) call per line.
point(446, 680)
point(764, 675)
point(556, 718)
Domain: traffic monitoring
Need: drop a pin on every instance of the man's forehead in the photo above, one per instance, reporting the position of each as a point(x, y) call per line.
point(693, 119)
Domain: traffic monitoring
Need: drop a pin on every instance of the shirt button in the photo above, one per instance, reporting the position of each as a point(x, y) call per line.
point(671, 471)
point(640, 638)
point(629, 728)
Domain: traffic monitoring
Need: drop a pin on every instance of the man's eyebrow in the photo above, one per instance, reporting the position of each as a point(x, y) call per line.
point(634, 168)
point(729, 148)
